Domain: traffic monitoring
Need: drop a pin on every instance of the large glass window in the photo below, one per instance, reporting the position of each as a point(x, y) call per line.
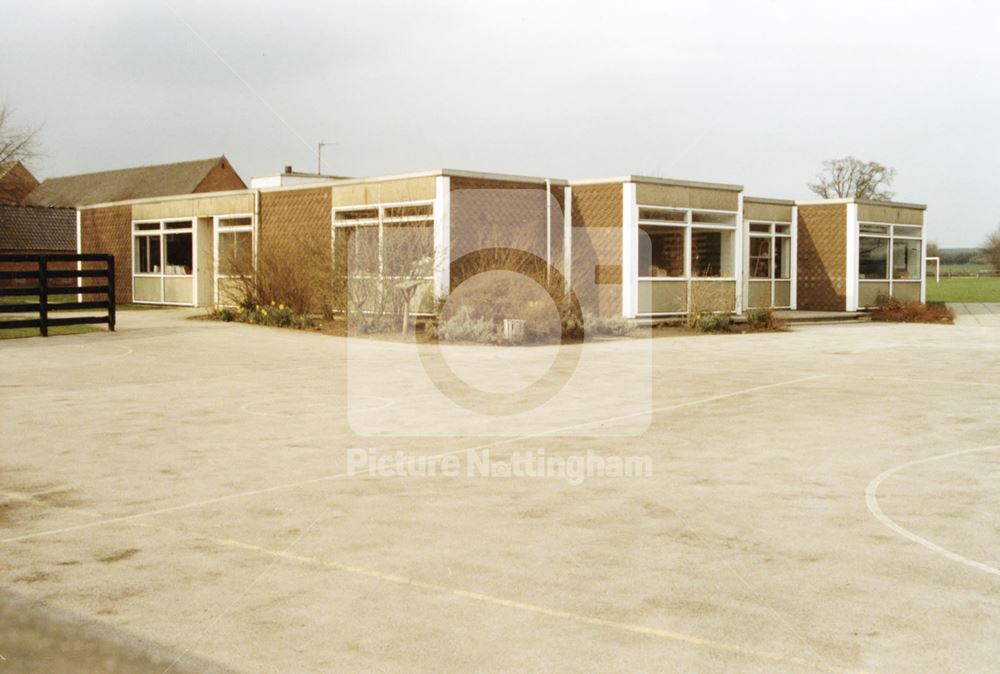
point(760, 257)
point(873, 258)
point(711, 253)
point(147, 255)
point(783, 257)
point(235, 253)
point(906, 259)
point(179, 254)
point(661, 251)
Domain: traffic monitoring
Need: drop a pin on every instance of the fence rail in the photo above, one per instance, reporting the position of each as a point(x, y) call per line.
point(42, 276)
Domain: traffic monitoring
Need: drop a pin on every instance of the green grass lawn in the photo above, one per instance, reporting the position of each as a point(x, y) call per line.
point(984, 289)
point(17, 333)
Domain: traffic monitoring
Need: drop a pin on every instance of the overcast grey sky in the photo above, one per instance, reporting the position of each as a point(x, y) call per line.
point(756, 93)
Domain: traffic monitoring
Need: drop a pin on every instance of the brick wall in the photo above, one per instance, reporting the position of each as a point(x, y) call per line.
point(220, 179)
point(822, 254)
point(109, 230)
point(597, 247)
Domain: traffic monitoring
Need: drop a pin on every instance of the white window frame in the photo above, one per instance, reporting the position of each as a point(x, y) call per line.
point(891, 237)
point(219, 228)
point(772, 235)
point(162, 231)
point(687, 225)
point(380, 221)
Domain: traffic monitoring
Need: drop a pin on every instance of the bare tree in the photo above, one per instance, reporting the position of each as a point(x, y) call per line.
point(850, 177)
point(991, 249)
point(933, 249)
point(17, 143)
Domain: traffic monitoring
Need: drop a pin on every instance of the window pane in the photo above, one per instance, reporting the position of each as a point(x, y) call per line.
point(408, 249)
point(360, 214)
point(906, 260)
point(900, 230)
point(874, 229)
point(711, 253)
point(661, 215)
point(147, 255)
point(760, 227)
point(362, 250)
point(714, 218)
point(873, 258)
point(235, 253)
point(183, 224)
point(178, 252)
point(236, 222)
point(409, 211)
point(145, 226)
point(760, 257)
point(783, 229)
point(783, 258)
point(661, 251)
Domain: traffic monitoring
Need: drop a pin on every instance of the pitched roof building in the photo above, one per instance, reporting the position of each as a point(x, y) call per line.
point(190, 177)
point(16, 182)
point(37, 229)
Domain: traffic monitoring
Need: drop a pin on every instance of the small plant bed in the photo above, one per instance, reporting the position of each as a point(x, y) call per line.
point(890, 310)
point(721, 323)
point(275, 314)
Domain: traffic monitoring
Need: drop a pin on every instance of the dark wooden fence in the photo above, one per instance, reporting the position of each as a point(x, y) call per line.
point(45, 281)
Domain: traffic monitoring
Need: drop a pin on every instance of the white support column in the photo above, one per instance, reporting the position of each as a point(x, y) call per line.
point(793, 263)
point(851, 263)
point(548, 231)
point(215, 259)
point(442, 236)
point(568, 237)
point(738, 262)
point(923, 262)
point(630, 252)
point(79, 251)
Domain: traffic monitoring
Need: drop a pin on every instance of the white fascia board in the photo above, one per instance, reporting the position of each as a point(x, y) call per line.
point(793, 267)
point(741, 232)
point(442, 236)
point(630, 253)
point(852, 281)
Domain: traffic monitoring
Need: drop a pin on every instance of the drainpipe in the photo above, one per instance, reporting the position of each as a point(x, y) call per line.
point(548, 232)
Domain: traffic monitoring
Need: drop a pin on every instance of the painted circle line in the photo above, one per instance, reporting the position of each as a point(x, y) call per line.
point(871, 499)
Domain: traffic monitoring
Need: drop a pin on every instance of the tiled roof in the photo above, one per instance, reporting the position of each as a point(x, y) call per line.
point(35, 228)
point(122, 184)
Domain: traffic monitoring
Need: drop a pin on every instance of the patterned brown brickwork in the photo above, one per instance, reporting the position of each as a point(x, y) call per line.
point(498, 213)
point(822, 254)
point(220, 179)
point(109, 230)
point(293, 219)
point(597, 244)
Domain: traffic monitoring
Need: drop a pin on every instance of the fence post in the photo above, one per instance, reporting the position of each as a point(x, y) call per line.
point(111, 293)
point(43, 295)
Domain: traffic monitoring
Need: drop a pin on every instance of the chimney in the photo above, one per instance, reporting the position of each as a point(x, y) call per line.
point(288, 170)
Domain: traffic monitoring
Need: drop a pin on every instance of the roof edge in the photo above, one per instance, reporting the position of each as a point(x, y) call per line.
point(864, 202)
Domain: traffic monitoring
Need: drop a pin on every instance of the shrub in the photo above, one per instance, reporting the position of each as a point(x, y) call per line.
point(764, 319)
point(274, 314)
point(892, 310)
point(714, 322)
point(616, 326)
point(464, 326)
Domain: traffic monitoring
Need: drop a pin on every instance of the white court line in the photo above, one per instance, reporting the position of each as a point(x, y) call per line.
point(348, 474)
point(871, 499)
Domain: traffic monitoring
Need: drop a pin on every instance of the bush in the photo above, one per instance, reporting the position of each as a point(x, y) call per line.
point(464, 326)
point(616, 326)
point(764, 319)
point(892, 310)
point(714, 322)
point(274, 314)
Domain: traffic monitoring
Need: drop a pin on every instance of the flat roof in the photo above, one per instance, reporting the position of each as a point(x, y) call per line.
point(866, 202)
point(768, 200)
point(727, 187)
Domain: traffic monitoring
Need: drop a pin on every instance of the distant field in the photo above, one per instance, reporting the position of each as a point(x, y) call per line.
point(985, 289)
point(967, 269)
